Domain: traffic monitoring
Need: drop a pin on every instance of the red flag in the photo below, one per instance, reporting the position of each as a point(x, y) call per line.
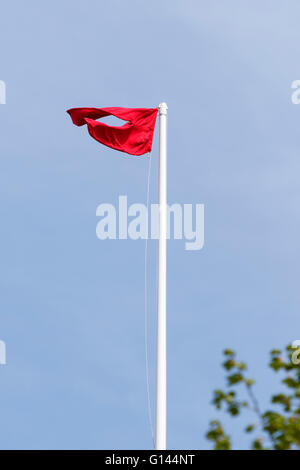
point(134, 137)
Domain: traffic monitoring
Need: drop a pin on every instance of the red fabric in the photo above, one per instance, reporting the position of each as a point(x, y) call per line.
point(134, 137)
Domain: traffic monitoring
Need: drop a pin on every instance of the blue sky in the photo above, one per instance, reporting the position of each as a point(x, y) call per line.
point(71, 305)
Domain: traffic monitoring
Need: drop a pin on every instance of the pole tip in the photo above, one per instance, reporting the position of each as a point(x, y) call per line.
point(163, 108)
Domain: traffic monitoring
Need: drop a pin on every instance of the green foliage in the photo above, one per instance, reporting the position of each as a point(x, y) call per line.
point(217, 435)
point(278, 430)
point(250, 428)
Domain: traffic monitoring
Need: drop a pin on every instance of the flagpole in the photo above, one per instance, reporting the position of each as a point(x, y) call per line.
point(161, 353)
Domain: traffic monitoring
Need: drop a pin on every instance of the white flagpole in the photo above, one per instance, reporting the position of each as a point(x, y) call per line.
point(161, 358)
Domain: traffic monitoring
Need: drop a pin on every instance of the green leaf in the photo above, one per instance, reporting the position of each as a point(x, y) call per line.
point(275, 352)
point(217, 435)
point(257, 444)
point(250, 428)
point(249, 382)
point(290, 382)
point(235, 378)
point(283, 400)
point(229, 364)
point(229, 352)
